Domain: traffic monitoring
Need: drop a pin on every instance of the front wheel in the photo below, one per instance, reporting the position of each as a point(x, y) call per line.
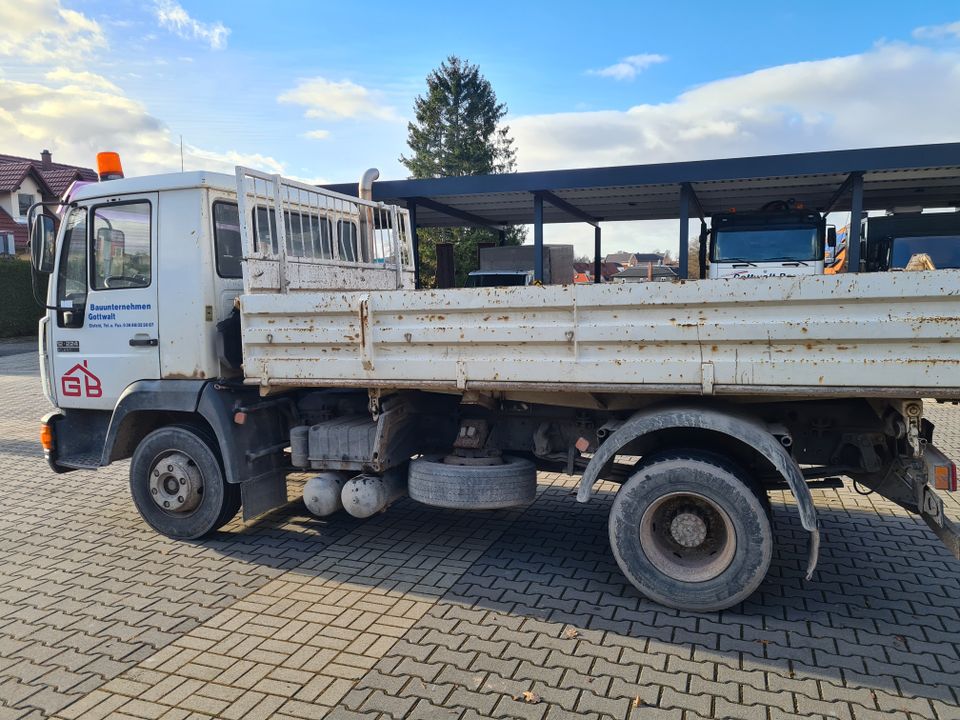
point(178, 486)
point(688, 532)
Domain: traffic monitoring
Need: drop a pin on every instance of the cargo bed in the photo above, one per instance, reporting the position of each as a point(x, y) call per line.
point(874, 335)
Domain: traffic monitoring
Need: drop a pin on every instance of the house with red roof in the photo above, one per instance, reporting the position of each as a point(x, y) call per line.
point(24, 181)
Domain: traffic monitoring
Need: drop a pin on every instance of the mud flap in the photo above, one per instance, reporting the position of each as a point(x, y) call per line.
point(263, 495)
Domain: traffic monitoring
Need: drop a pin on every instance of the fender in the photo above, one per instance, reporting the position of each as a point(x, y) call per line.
point(198, 397)
point(745, 429)
point(146, 395)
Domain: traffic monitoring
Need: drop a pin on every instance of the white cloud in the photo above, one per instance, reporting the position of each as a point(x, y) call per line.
point(60, 104)
point(66, 76)
point(317, 134)
point(173, 17)
point(41, 31)
point(329, 99)
point(937, 32)
point(77, 114)
point(629, 67)
point(894, 94)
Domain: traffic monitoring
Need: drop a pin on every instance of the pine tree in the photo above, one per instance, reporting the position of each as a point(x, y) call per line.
point(457, 132)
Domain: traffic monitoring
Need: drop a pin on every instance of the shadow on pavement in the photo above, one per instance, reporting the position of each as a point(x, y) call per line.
point(879, 613)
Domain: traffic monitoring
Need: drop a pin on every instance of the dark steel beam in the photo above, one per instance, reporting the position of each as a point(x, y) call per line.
point(692, 195)
point(538, 237)
point(474, 220)
point(841, 191)
point(597, 259)
point(568, 208)
point(684, 258)
point(836, 162)
point(856, 215)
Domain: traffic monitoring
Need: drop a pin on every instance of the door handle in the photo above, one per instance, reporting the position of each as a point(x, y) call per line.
point(144, 342)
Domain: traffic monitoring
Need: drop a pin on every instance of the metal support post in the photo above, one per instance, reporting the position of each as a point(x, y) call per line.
point(597, 260)
point(684, 231)
point(856, 215)
point(538, 237)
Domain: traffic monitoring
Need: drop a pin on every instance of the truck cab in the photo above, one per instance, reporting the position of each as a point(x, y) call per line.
point(780, 239)
point(136, 255)
point(889, 242)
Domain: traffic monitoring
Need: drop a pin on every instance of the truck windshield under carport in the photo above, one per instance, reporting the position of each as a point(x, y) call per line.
point(766, 244)
point(944, 250)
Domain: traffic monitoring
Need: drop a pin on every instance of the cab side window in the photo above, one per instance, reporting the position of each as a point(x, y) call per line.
point(72, 274)
point(226, 239)
point(121, 246)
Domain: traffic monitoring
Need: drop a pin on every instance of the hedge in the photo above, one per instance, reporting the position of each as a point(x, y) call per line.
point(18, 311)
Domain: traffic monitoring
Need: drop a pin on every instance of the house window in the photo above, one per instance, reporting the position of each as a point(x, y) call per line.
point(24, 200)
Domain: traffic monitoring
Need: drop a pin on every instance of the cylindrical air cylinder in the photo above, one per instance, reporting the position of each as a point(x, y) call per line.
point(366, 495)
point(322, 493)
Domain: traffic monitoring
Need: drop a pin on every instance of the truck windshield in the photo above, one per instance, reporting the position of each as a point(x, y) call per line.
point(767, 245)
point(944, 250)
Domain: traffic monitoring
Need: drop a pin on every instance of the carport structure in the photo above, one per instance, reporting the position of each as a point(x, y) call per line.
point(843, 180)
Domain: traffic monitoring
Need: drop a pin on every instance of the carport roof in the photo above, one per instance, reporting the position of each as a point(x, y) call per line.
point(924, 175)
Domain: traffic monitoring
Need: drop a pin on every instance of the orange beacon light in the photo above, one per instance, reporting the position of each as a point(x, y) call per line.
point(108, 166)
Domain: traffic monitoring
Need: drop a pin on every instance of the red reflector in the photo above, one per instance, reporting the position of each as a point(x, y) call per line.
point(239, 418)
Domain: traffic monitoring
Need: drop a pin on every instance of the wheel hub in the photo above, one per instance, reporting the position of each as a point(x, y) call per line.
point(688, 529)
point(176, 485)
point(688, 537)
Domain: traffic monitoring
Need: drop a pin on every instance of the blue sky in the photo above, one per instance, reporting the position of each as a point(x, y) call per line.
point(322, 91)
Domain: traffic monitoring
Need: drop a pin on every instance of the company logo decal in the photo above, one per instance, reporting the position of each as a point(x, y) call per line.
point(78, 381)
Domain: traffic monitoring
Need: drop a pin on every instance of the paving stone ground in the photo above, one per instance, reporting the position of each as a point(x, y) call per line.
point(425, 613)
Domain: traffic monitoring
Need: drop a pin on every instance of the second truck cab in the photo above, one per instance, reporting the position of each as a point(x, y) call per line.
point(889, 242)
point(778, 240)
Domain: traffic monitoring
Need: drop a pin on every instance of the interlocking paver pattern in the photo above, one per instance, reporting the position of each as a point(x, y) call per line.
point(425, 613)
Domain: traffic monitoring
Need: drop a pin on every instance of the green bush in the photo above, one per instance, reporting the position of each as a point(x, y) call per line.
point(19, 312)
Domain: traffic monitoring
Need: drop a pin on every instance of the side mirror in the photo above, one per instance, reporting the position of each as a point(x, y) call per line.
point(831, 237)
point(43, 238)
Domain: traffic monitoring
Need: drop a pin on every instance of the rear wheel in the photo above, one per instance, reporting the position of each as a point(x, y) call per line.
point(689, 532)
point(178, 485)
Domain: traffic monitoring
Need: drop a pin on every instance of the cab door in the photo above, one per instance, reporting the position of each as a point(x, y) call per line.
point(105, 334)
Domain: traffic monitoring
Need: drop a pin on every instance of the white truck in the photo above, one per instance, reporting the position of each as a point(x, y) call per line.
point(780, 239)
point(332, 363)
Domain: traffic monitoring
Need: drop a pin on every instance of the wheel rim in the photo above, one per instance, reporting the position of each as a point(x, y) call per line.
point(688, 537)
point(176, 485)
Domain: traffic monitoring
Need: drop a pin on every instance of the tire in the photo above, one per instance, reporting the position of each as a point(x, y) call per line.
point(181, 453)
point(690, 531)
point(472, 487)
